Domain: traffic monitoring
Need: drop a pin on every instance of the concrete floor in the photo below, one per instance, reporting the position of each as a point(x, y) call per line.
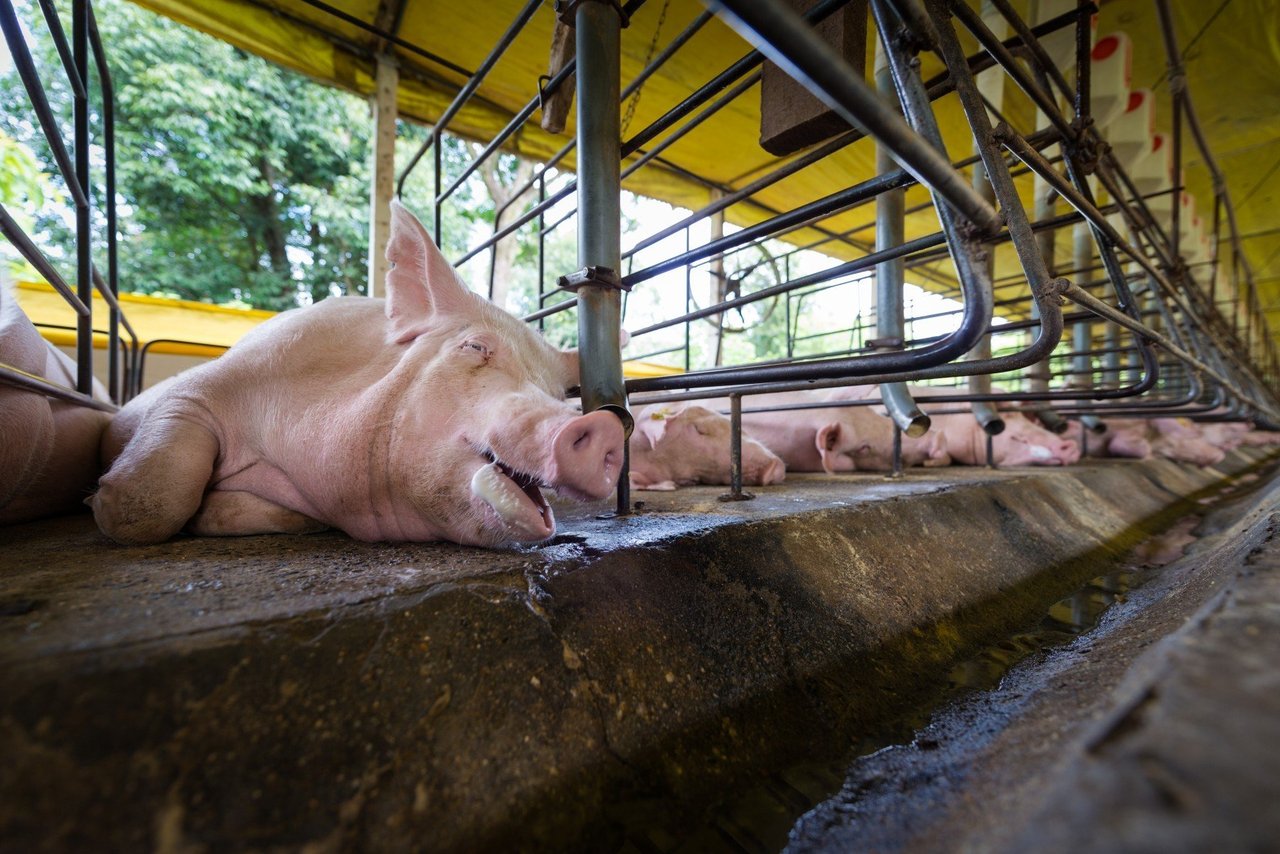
point(602, 692)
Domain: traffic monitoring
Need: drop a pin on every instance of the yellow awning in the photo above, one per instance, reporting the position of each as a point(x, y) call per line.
point(180, 327)
point(1231, 71)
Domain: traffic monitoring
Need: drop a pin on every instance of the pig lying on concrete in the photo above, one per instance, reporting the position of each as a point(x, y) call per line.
point(48, 447)
point(1179, 439)
point(683, 444)
point(1227, 435)
point(1121, 438)
point(1022, 442)
point(1257, 438)
point(432, 415)
point(832, 440)
point(1176, 439)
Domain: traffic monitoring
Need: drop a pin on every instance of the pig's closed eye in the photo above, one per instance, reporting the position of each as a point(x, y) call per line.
point(480, 348)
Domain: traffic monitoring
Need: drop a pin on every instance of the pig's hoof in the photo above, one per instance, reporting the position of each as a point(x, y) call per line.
point(127, 522)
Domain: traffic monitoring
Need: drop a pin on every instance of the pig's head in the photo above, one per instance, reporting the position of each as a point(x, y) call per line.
point(1024, 443)
point(855, 439)
point(691, 444)
point(481, 425)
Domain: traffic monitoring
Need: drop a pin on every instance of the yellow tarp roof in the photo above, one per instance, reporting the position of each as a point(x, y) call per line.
point(1232, 53)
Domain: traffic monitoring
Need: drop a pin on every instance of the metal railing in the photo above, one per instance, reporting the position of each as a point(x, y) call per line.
point(1123, 328)
point(81, 57)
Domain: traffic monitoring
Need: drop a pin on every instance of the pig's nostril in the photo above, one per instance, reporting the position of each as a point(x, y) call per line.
point(583, 439)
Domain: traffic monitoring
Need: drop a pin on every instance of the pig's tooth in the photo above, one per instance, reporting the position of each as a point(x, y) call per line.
point(1040, 453)
point(495, 488)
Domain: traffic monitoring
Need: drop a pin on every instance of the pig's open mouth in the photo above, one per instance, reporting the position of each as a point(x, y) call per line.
point(516, 498)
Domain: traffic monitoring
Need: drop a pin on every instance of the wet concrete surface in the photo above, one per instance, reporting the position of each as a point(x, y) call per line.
point(1157, 730)
point(597, 693)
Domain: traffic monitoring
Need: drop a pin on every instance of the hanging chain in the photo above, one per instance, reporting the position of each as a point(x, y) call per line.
point(653, 45)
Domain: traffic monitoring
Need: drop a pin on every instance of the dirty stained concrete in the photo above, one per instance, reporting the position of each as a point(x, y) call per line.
point(291, 692)
point(1158, 730)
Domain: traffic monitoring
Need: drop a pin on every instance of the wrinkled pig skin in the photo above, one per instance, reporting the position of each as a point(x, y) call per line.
point(48, 447)
point(432, 415)
point(834, 439)
point(681, 445)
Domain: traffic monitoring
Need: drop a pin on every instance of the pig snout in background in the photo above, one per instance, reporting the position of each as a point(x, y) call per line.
point(49, 458)
point(682, 445)
point(431, 415)
point(1025, 443)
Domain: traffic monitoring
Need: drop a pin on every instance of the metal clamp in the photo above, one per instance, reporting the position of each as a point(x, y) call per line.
point(889, 343)
point(567, 10)
point(595, 276)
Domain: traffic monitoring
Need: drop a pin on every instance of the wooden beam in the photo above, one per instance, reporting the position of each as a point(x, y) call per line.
point(384, 171)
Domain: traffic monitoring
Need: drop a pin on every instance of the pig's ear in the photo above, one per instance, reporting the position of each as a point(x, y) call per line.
point(573, 364)
point(421, 284)
point(652, 425)
point(570, 367)
point(828, 439)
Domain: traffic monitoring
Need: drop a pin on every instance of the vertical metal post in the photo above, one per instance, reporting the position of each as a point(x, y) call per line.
point(991, 86)
point(598, 39)
point(890, 275)
point(115, 389)
point(384, 172)
point(84, 233)
point(735, 448)
point(896, 471)
point(542, 246)
point(735, 492)
point(1082, 332)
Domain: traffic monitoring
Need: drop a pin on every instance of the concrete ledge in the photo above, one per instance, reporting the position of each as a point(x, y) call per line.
point(290, 691)
point(1155, 731)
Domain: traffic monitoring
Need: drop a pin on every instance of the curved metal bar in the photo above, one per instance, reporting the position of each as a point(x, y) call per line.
point(790, 43)
point(472, 84)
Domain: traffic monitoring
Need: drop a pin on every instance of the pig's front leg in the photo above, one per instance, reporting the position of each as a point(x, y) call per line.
point(157, 483)
point(232, 513)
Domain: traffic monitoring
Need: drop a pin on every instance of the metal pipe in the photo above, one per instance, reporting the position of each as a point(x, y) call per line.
point(599, 215)
point(789, 42)
point(9, 375)
point(112, 285)
point(84, 227)
point(890, 320)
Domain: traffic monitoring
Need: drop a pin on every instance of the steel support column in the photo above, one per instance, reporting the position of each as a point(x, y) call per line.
point(598, 37)
point(890, 275)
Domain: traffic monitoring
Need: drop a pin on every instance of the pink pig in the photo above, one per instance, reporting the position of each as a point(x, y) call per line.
point(48, 447)
point(839, 439)
point(1021, 443)
point(432, 415)
point(679, 445)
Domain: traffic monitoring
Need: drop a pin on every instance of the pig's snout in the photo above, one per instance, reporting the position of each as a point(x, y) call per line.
point(1069, 452)
point(587, 454)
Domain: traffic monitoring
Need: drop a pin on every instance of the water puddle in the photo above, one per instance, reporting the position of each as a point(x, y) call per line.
point(759, 820)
